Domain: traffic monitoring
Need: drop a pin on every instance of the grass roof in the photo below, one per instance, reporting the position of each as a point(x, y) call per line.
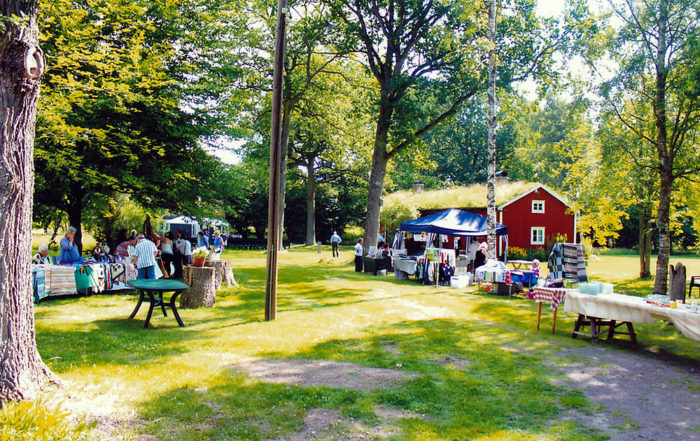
point(472, 196)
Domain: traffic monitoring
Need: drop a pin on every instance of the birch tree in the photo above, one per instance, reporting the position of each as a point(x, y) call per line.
point(491, 163)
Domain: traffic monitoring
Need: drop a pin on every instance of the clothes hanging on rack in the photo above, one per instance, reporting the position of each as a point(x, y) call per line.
point(567, 261)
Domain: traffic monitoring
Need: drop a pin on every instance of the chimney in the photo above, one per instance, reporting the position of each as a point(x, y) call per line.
point(501, 177)
point(417, 187)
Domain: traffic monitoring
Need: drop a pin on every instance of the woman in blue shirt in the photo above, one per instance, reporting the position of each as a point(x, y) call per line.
point(69, 250)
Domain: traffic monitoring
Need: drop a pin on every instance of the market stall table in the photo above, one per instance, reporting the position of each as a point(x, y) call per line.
point(551, 296)
point(404, 267)
point(151, 287)
point(614, 310)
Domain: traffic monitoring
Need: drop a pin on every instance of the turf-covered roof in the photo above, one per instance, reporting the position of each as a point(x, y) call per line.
point(472, 196)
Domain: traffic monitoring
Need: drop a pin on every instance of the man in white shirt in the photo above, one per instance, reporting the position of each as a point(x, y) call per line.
point(145, 257)
point(358, 255)
point(335, 241)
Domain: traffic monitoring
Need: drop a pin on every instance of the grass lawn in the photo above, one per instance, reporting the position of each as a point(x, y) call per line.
point(172, 383)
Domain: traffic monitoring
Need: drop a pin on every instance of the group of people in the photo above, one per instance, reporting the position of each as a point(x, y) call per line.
point(383, 257)
point(217, 245)
point(175, 250)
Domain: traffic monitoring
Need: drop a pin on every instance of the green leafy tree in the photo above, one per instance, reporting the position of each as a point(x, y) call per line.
point(654, 48)
point(427, 59)
point(454, 153)
point(123, 109)
point(635, 159)
point(328, 139)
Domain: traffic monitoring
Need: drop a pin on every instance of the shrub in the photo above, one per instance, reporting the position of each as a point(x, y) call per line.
point(516, 253)
point(541, 254)
point(395, 212)
point(34, 421)
point(351, 234)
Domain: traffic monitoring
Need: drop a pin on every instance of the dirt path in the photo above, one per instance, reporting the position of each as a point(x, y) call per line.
point(642, 396)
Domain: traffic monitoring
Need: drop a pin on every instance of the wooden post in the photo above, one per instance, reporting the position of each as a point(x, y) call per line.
point(202, 291)
point(676, 285)
point(273, 227)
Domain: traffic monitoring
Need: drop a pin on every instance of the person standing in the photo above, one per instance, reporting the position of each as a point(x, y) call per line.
point(203, 240)
point(481, 255)
point(335, 241)
point(219, 246)
point(358, 255)
point(185, 247)
point(145, 257)
point(166, 251)
point(69, 250)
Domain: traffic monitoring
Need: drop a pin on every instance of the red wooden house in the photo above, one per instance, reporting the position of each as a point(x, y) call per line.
point(536, 217)
point(533, 213)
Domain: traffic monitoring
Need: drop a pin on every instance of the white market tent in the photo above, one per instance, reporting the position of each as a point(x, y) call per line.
point(183, 223)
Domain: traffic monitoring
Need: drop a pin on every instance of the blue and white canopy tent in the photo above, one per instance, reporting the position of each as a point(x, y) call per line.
point(454, 222)
point(450, 222)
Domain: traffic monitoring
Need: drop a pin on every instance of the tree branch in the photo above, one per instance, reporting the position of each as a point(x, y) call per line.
point(420, 132)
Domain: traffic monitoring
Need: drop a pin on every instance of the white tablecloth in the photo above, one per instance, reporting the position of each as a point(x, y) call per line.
point(632, 309)
point(405, 265)
point(686, 322)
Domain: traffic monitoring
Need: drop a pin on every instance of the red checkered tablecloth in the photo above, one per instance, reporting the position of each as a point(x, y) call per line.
point(553, 296)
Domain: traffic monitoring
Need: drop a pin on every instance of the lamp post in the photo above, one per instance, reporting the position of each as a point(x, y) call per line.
point(273, 217)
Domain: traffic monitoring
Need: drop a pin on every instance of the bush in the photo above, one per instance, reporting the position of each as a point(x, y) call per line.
point(541, 254)
point(516, 253)
point(396, 211)
point(34, 421)
point(351, 234)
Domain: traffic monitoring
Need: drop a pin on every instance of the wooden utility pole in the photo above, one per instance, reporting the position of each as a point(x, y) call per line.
point(273, 217)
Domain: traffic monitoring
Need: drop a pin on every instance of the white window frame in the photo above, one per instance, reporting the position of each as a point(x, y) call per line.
point(533, 240)
point(537, 203)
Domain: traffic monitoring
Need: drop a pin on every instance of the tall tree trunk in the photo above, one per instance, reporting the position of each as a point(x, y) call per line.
point(662, 223)
point(665, 156)
point(644, 241)
point(75, 219)
point(311, 204)
point(284, 150)
point(491, 167)
point(378, 173)
point(22, 372)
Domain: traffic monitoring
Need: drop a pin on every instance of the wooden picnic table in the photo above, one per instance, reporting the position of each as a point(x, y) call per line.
point(520, 264)
point(154, 289)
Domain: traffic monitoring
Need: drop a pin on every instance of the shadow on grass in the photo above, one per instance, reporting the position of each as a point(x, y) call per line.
point(232, 408)
point(107, 341)
point(497, 392)
point(113, 341)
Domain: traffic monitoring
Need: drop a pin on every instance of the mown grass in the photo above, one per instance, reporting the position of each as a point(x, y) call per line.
point(182, 383)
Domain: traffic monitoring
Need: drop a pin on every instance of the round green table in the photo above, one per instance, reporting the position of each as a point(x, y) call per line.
point(154, 289)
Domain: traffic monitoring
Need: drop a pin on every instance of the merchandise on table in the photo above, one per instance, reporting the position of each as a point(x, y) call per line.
point(58, 280)
point(634, 310)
